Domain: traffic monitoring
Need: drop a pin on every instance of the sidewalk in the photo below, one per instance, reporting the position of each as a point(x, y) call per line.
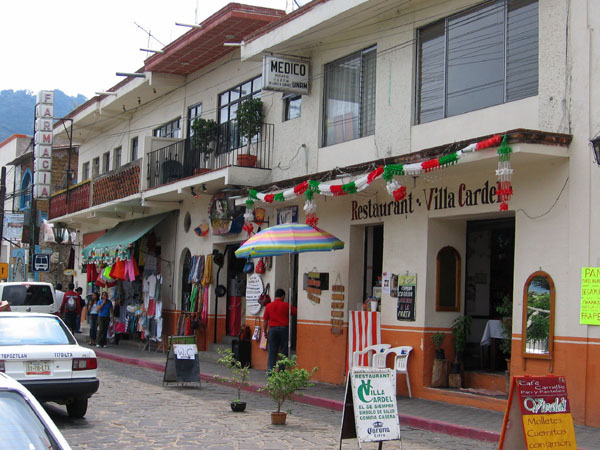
point(462, 421)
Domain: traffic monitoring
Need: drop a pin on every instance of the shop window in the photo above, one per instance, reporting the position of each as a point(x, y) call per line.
point(483, 57)
point(538, 316)
point(292, 106)
point(448, 280)
point(170, 129)
point(350, 97)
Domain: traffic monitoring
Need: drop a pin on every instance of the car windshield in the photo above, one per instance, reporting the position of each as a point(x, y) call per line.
point(28, 294)
point(33, 330)
point(20, 425)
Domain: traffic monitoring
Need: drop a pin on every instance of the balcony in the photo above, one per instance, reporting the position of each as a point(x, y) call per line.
point(114, 185)
point(190, 157)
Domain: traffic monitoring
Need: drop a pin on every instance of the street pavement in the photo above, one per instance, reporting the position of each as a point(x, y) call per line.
point(132, 410)
point(415, 414)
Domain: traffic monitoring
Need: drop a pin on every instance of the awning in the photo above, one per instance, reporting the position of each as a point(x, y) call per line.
point(117, 241)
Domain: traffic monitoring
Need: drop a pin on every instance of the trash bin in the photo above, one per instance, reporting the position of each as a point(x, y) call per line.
point(241, 351)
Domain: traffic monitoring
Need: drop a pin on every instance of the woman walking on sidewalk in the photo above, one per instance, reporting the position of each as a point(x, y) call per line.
point(93, 309)
point(104, 316)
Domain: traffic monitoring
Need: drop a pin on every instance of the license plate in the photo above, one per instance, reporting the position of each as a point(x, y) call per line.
point(37, 368)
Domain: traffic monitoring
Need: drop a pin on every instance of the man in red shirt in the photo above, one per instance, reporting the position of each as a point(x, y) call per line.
point(276, 325)
point(70, 308)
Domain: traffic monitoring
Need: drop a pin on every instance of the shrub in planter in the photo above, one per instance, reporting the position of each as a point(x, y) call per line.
point(205, 135)
point(250, 118)
point(239, 377)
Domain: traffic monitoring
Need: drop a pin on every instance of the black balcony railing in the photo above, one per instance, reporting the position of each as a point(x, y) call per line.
point(199, 154)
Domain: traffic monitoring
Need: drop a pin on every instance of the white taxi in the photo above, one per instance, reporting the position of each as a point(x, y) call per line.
point(39, 351)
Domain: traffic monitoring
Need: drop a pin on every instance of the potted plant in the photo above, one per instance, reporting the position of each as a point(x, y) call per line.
point(505, 310)
point(461, 328)
point(438, 340)
point(204, 138)
point(239, 377)
point(282, 383)
point(249, 120)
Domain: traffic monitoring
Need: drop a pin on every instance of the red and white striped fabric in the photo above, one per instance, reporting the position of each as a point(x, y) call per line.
point(364, 329)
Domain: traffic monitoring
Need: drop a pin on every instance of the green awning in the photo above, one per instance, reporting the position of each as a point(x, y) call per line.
point(116, 242)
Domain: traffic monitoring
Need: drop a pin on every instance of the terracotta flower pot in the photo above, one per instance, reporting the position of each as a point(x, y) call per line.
point(246, 160)
point(278, 418)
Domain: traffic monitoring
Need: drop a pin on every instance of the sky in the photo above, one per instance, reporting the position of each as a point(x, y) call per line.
point(77, 46)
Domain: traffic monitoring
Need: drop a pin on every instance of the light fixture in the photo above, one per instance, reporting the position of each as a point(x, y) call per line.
point(189, 25)
point(127, 74)
point(233, 44)
point(105, 93)
point(595, 141)
point(59, 230)
point(151, 50)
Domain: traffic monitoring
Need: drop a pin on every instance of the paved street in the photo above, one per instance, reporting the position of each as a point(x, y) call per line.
point(133, 410)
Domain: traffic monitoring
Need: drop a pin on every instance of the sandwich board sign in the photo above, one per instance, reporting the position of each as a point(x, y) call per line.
point(538, 415)
point(370, 409)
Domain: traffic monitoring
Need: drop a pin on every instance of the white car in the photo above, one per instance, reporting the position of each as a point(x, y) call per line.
point(25, 423)
point(39, 351)
point(30, 296)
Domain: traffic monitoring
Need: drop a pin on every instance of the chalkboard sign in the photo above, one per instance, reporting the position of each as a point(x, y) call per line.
point(182, 361)
point(407, 291)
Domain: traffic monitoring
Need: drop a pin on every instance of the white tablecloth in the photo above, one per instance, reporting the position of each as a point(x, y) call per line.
point(493, 329)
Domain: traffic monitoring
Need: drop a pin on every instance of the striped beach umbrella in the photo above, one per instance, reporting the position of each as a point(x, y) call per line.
point(288, 238)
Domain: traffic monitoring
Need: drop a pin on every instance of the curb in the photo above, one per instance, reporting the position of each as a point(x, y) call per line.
point(423, 423)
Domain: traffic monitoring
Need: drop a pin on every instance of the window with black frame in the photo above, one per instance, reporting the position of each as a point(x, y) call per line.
point(229, 102)
point(349, 107)
point(485, 56)
point(170, 129)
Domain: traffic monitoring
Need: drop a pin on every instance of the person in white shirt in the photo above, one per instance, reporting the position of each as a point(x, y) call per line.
point(59, 293)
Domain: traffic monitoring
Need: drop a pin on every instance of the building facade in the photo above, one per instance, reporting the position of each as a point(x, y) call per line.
point(446, 143)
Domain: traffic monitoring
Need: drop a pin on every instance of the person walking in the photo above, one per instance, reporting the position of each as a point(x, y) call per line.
point(58, 292)
point(104, 316)
point(93, 309)
point(276, 322)
point(82, 305)
point(70, 308)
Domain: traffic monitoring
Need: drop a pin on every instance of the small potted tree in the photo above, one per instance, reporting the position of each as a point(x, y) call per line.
point(505, 309)
point(438, 340)
point(461, 328)
point(249, 120)
point(282, 383)
point(439, 371)
point(239, 377)
point(204, 138)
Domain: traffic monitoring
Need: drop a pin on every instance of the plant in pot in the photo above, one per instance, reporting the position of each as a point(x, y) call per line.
point(250, 118)
point(204, 138)
point(505, 310)
point(438, 340)
point(239, 377)
point(282, 383)
point(461, 328)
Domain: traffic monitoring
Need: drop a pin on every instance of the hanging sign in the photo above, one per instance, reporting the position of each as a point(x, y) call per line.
point(13, 226)
point(370, 413)
point(254, 289)
point(590, 296)
point(542, 406)
point(44, 112)
point(285, 74)
point(407, 291)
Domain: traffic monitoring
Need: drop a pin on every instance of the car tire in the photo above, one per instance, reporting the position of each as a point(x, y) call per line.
point(77, 408)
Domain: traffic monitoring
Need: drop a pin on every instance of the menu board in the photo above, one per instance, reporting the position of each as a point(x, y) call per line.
point(542, 406)
point(590, 296)
point(407, 291)
point(254, 289)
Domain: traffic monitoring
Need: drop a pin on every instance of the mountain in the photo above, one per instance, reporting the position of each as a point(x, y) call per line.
point(17, 109)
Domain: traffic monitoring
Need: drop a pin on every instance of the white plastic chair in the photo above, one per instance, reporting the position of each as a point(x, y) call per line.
point(377, 359)
point(401, 362)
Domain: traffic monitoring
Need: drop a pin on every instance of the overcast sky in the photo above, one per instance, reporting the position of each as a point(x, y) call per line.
point(78, 45)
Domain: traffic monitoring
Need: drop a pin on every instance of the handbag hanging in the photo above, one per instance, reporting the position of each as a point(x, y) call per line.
point(263, 341)
point(265, 298)
point(260, 266)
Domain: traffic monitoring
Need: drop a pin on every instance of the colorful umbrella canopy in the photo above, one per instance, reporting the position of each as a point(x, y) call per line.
point(288, 238)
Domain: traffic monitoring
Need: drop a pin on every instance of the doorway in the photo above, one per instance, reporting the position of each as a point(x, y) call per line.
point(373, 262)
point(236, 291)
point(489, 279)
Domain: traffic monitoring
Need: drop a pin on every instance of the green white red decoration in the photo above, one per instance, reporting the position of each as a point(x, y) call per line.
point(388, 172)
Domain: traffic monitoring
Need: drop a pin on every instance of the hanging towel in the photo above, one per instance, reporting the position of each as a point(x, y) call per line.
point(92, 273)
point(207, 276)
point(199, 269)
point(193, 297)
point(205, 306)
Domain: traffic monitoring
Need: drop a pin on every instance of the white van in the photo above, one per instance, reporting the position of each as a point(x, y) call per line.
point(30, 296)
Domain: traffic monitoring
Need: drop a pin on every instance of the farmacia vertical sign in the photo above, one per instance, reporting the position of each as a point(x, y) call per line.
point(42, 144)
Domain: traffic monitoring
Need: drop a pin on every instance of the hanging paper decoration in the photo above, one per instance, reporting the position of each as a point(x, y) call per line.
point(249, 217)
point(504, 174)
point(388, 172)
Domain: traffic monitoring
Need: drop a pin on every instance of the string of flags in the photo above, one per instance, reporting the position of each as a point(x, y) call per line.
point(309, 188)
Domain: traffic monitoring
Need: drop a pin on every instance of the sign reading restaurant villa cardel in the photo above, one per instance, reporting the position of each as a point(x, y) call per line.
point(433, 199)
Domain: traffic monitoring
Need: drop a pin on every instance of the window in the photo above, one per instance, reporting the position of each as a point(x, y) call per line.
point(538, 316)
point(229, 103)
point(85, 171)
point(292, 106)
point(193, 113)
point(26, 190)
point(448, 280)
point(350, 97)
point(134, 149)
point(116, 158)
point(485, 56)
point(106, 162)
point(169, 130)
point(95, 167)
